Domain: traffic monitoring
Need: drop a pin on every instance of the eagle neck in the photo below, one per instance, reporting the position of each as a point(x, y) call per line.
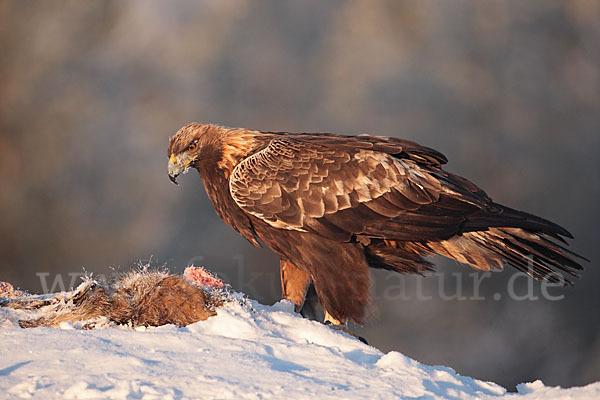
point(237, 144)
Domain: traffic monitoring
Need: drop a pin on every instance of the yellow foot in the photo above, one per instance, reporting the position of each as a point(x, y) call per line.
point(338, 326)
point(329, 319)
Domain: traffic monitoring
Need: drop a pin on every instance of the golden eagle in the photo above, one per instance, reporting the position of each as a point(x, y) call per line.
point(331, 206)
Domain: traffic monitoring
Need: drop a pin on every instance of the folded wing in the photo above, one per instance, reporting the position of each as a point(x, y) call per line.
point(343, 189)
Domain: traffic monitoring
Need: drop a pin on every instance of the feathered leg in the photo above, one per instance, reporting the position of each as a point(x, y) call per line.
point(294, 283)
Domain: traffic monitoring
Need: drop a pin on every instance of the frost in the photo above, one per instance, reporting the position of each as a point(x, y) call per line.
point(247, 351)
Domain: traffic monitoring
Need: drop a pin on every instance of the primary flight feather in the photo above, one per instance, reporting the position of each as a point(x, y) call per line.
point(331, 206)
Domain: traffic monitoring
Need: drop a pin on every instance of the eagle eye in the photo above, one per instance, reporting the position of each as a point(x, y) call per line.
point(192, 147)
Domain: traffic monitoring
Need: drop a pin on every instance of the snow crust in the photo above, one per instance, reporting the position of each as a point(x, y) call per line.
point(248, 351)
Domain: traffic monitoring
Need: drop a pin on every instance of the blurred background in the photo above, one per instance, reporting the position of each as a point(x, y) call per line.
point(508, 91)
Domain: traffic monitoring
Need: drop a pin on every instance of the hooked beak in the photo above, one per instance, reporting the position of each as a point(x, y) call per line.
point(176, 167)
point(173, 179)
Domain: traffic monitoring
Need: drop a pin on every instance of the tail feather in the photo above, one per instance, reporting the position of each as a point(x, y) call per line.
point(529, 252)
point(486, 238)
point(532, 253)
point(564, 249)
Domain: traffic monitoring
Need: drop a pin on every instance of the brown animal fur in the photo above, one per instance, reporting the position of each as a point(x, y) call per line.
point(139, 299)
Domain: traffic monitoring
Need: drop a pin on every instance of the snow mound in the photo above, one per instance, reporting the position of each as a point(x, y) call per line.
point(247, 351)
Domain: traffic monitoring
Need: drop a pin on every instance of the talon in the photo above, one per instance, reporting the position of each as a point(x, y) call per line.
point(344, 329)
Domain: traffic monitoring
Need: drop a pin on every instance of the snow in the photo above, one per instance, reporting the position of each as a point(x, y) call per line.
point(247, 351)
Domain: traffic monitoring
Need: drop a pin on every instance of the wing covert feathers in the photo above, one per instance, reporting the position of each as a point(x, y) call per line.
point(292, 184)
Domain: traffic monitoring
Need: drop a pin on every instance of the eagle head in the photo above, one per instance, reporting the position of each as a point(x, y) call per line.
point(185, 148)
point(214, 146)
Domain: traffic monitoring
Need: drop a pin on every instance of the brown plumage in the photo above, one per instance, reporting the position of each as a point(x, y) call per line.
point(332, 206)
